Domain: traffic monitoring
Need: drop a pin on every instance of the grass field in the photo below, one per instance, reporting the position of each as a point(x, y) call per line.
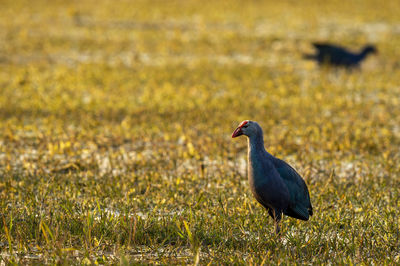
point(115, 124)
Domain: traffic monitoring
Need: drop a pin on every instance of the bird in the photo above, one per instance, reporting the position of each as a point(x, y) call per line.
point(339, 56)
point(274, 183)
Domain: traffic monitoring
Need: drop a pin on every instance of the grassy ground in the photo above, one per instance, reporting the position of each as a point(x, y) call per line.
point(115, 123)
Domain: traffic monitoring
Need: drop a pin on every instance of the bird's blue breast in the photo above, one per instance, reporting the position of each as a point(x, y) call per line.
point(260, 170)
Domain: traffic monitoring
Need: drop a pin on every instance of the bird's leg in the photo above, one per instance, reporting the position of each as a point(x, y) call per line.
point(277, 219)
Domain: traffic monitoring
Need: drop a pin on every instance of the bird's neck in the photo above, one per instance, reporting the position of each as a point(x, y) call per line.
point(259, 162)
point(363, 54)
point(256, 144)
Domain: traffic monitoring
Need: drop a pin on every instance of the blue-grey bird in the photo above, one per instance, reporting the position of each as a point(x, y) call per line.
point(274, 183)
point(338, 56)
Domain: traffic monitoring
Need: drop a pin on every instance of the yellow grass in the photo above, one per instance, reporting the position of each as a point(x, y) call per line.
point(115, 124)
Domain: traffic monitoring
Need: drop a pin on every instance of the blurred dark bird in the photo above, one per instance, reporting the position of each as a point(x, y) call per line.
point(274, 183)
point(339, 56)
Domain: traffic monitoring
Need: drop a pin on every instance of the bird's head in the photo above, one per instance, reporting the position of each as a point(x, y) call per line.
point(247, 128)
point(370, 49)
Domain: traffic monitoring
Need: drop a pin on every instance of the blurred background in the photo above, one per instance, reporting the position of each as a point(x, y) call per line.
point(124, 109)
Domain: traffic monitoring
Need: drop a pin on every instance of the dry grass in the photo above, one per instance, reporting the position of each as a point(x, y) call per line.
point(115, 123)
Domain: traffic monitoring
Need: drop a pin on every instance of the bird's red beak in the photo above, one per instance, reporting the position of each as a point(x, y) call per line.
point(238, 132)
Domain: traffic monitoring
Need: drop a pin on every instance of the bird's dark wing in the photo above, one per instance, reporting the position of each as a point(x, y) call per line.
point(300, 205)
point(329, 49)
point(322, 45)
point(335, 55)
